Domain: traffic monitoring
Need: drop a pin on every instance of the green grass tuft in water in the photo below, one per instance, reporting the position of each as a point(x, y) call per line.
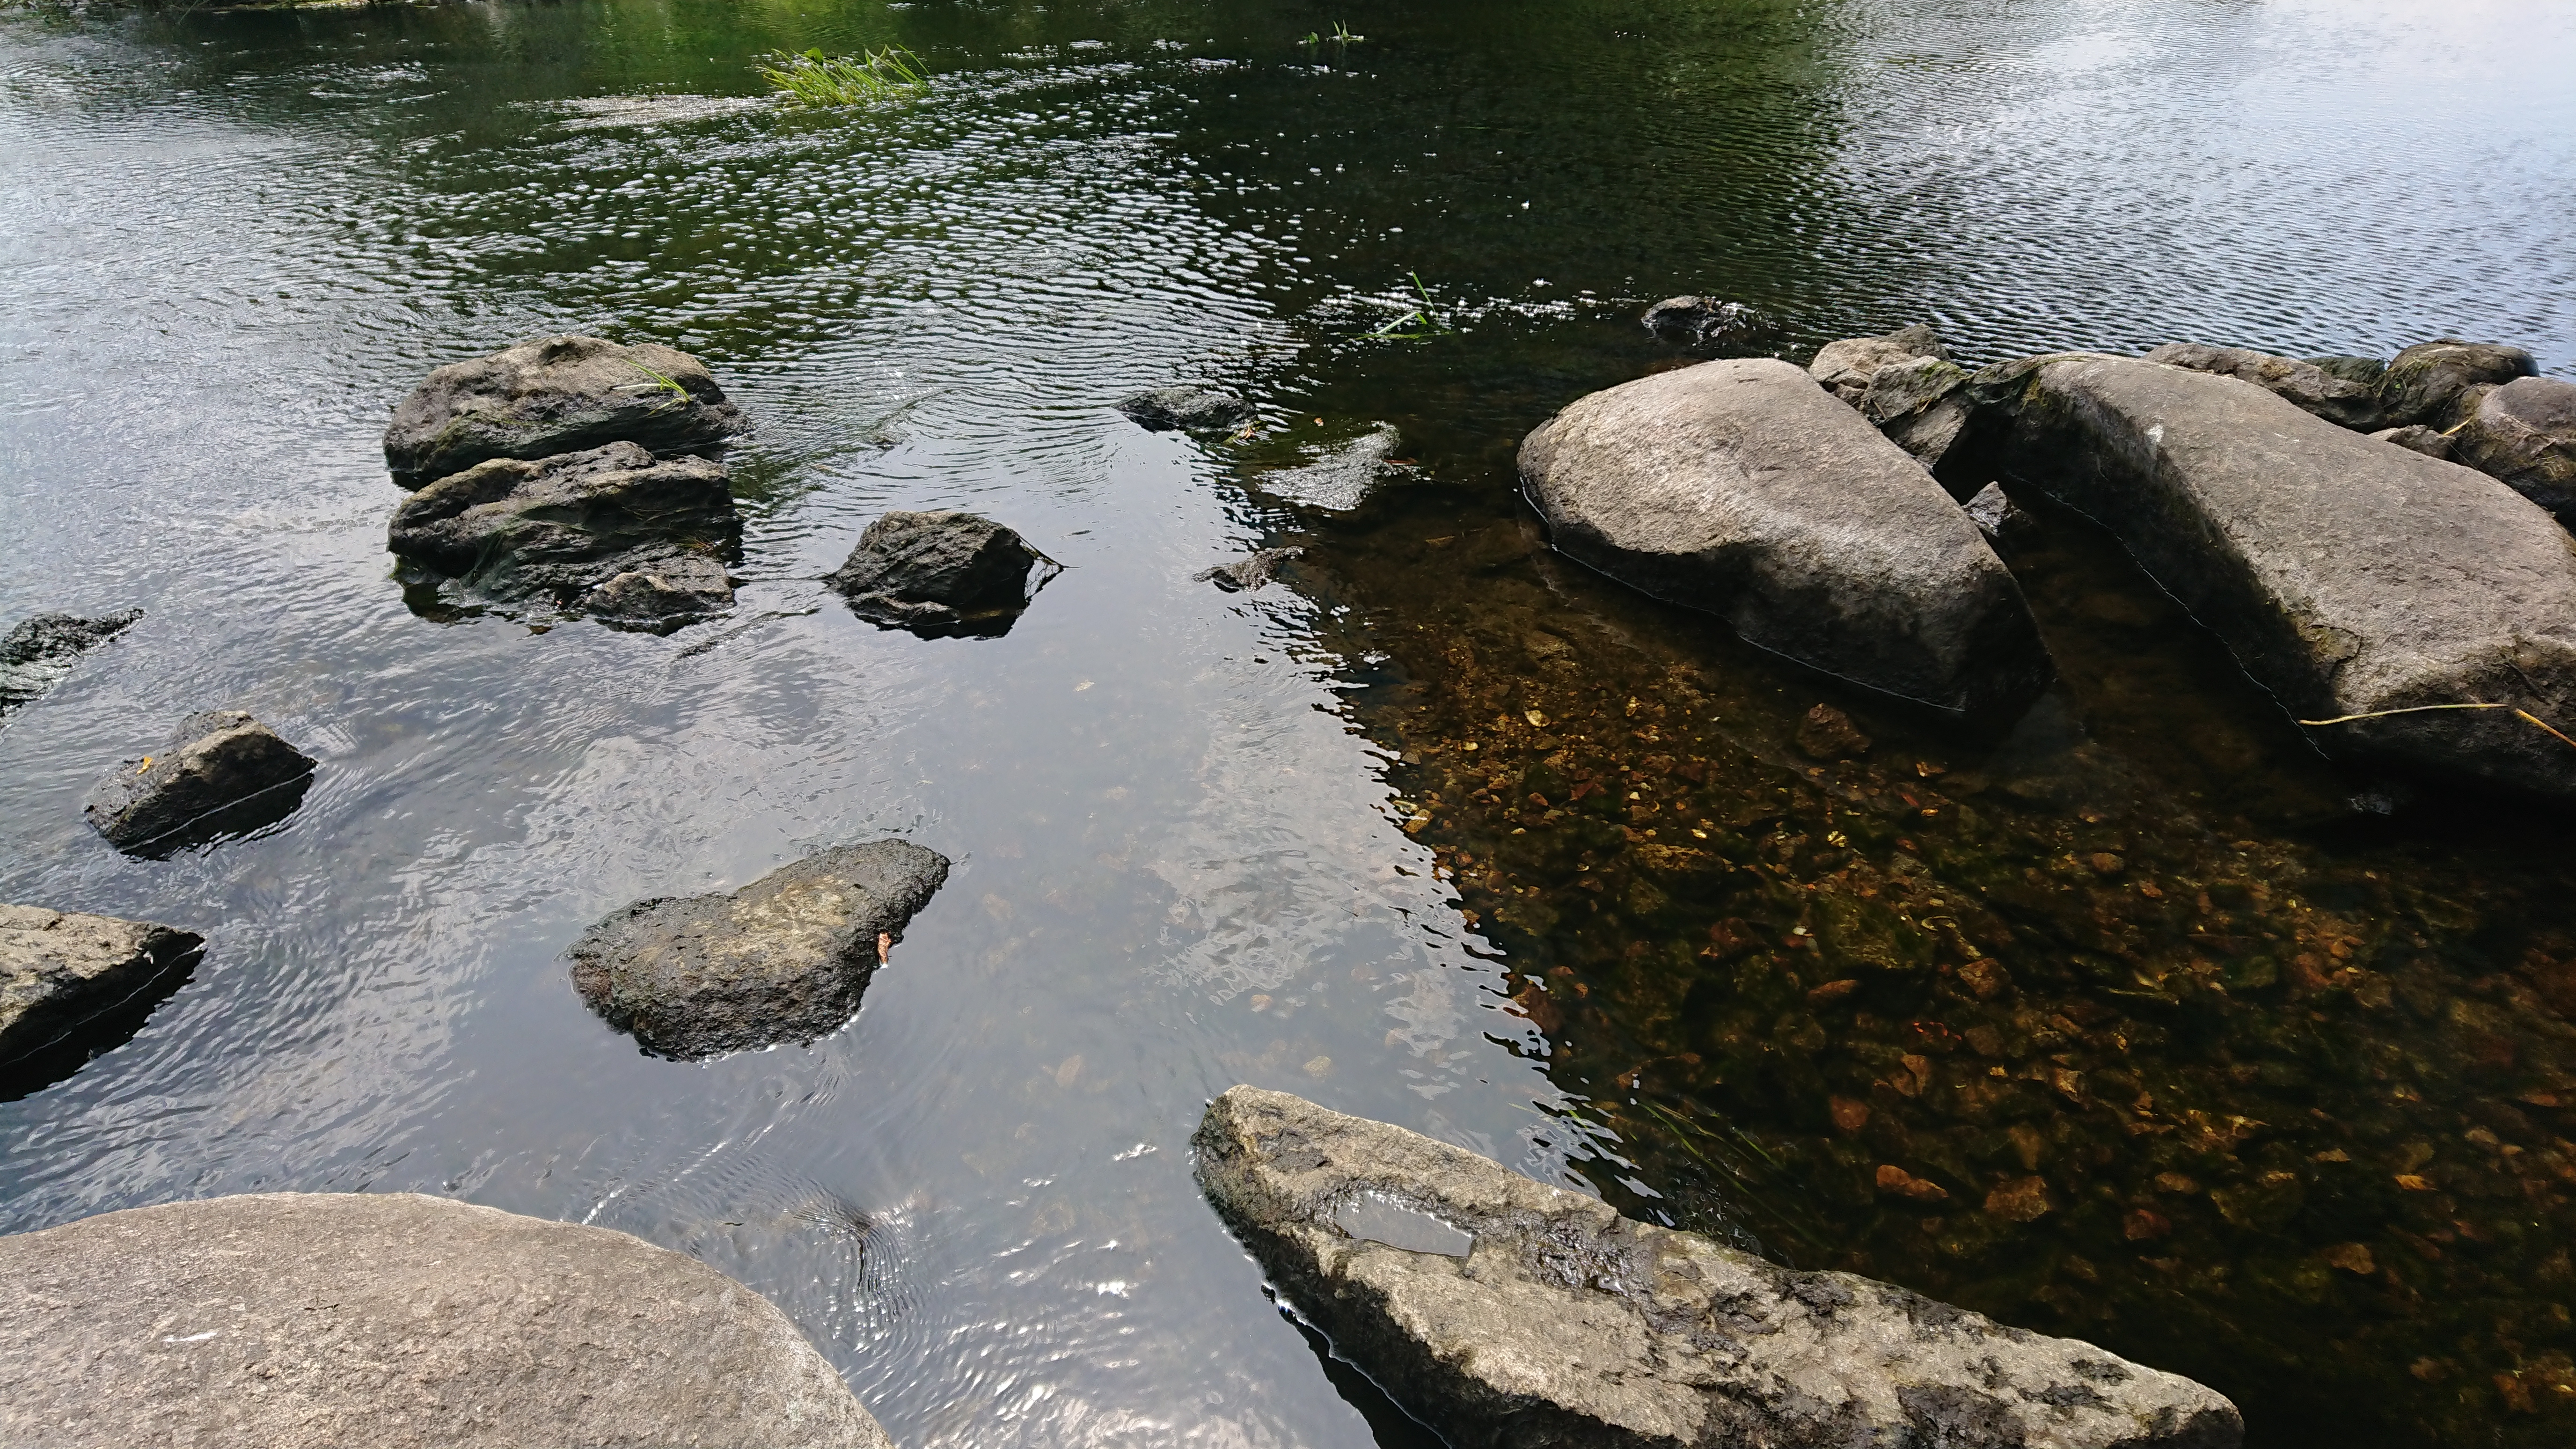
point(816, 79)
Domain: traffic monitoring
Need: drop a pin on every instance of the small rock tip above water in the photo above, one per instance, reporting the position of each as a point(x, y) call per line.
point(220, 773)
point(941, 574)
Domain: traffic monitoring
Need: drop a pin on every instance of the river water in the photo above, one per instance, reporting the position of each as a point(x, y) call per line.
point(2276, 1090)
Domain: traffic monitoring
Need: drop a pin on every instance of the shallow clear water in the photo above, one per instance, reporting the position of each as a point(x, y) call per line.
point(229, 242)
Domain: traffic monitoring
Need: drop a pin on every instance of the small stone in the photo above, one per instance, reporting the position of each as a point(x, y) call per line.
point(1319, 1066)
point(1249, 574)
point(2352, 1258)
point(2022, 1200)
point(663, 597)
point(1702, 320)
point(220, 773)
point(1896, 1181)
point(1988, 979)
point(1847, 368)
point(1997, 516)
point(1186, 409)
point(1828, 734)
point(1849, 1114)
point(2145, 1225)
point(945, 573)
point(1833, 991)
point(2105, 863)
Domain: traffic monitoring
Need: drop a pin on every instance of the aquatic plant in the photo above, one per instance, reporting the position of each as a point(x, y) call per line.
point(815, 79)
point(1420, 323)
point(674, 394)
point(1342, 37)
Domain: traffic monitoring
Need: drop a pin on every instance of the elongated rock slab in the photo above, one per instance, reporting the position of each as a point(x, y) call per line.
point(1743, 488)
point(2349, 577)
point(1505, 1312)
point(305, 1320)
point(72, 984)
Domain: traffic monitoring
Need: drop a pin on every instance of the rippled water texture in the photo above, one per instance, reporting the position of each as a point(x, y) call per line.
point(2270, 1091)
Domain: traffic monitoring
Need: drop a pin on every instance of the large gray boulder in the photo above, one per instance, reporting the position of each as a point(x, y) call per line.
point(39, 653)
point(2338, 400)
point(73, 985)
point(2349, 577)
point(784, 959)
point(1741, 488)
point(1847, 368)
point(566, 529)
point(1504, 1312)
point(313, 1320)
point(2424, 382)
point(941, 573)
point(556, 395)
point(220, 773)
point(2524, 434)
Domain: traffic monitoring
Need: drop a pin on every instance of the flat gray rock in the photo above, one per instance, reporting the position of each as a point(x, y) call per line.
point(1249, 574)
point(563, 529)
point(395, 1321)
point(1742, 488)
point(2349, 577)
point(941, 573)
point(784, 959)
point(1186, 408)
point(73, 985)
point(556, 395)
point(1847, 368)
point(2338, 400)
point(40, 652)
point(220, 773)
point(2524, 435)
point(1504, 1312)
point(2424, 382)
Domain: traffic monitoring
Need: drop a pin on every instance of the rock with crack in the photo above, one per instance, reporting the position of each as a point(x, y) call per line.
point(1702, 321)
point(939, 574)
point(1504, 1312)
point(73, 985)
point(562, 531)
point(1742, 488)
point(2338, 400)
point(2423, 383)
point(40, 652)
point(220, 773)
point(1918, 405)
point(1248, 574)
point(556, 395)
point(304, 1320)
point(2524, 434)
point(1187, 409)
point(784, 959)
point(2348, 577)
point(1847, 368)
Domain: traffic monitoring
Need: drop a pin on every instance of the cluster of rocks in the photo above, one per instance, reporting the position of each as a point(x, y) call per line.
point(2380, 543)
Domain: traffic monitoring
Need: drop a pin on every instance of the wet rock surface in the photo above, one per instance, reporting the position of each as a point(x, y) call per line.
point(1742, 489)
point(73, 985)
point(1699, 321)
point(942, 573)
point(2348, 577)
point(2524, 434)
point(560, 530)
point(556, 395)
point(1186, 409)
point(300, 1320)
point(2424, 382)
point(1559, 1321)
point(2339, 400)
point(40, 651)
point(784, 959)
point(1847, 368)
point(1338, 479)
point(1249, 574)
point(220, 773)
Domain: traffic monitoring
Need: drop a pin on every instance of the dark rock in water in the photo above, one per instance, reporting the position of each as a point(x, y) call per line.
point(396, 1321)
point(2364, 370)
point(1846, 368)
point(40, 652)
point(941, 574)
point(1341, 478)
point(1246, 575)
point(2524, 433)
point(1995, 515)
point(561, 528)
point(2417, 438)
point(662, 597)
point(1828, 734)
point(71, 986)
point(2425, 381)
point(556, 395)
point(221, 773)
point(784, 959)
point(2336, 399)
point(1702, 320)
point(1742, 488)
point(1187, 409)
point(1917, 403)
point(1507, 1313)
point(2348, 577)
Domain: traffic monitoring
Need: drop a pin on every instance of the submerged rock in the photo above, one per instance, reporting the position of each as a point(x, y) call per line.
point(2524, 434)
point(1995, 515)
point(1741, 488)
point(1847, 368)
point(2424, 382)
point(2336, 399)
point(941, 573)
point(2348, 578)
point(1186, 409)
point(221, 773)
point(784, 959)
point(556, 395)
point(565, 528)
point(1702, 320)
point(1504, 1312)
point(2417, 438)
point(1246, 575)
point(72, 986)
point(1341, 478)
point(1917, 403)
point(303, 1320)
point(1828, 734)
point(40, 652)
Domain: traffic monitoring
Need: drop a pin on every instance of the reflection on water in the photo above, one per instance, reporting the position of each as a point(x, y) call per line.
point(2278, 1086)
